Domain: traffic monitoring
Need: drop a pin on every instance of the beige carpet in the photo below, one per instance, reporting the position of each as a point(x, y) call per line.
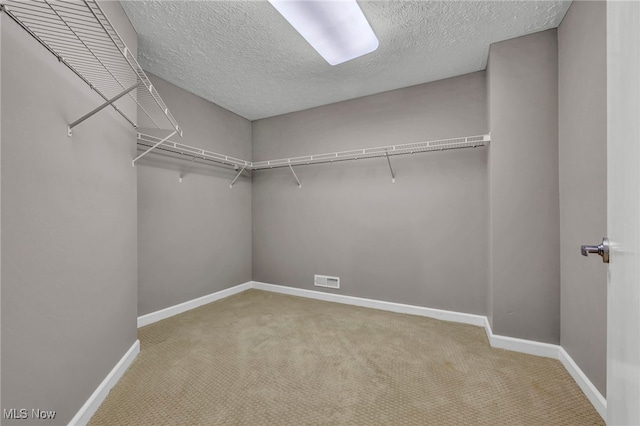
point(263, 358)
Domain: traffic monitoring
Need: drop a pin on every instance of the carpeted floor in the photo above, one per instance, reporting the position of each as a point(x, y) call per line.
point(264, 358)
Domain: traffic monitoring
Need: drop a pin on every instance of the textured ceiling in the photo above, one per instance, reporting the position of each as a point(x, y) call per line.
point(243, 56)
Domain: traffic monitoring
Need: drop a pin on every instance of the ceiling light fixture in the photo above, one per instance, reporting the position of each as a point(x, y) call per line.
point(336, 29)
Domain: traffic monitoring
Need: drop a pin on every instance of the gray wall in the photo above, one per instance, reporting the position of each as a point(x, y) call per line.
point(194, 237)
point(523, 179)
point(583, 185)
point(0, 208)
point(421, 240)
point(68, 230)
point(489, 224)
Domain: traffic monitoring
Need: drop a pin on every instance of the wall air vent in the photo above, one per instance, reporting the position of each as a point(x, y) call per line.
point(326, 281)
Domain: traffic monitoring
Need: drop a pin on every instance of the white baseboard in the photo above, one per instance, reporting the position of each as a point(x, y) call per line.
point(191, 304)
point(90, 407)
point(503, 342)
point(375, 304)
point(521, 345)
point(595, 397)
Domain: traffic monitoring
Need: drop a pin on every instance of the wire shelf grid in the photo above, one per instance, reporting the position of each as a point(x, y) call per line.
point(382, 151)
point(81, 36)
point(146, 141)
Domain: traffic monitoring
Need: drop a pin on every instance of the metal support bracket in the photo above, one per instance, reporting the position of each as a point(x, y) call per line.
point(184, 172)
point(295, 176)
point(393, 176)
point(98, 109)
point(236, 178)
point(133, 163)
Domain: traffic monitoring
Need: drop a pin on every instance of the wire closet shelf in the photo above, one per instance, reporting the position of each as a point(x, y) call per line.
point(81, 36)
point(382, 151)
point(148, 142)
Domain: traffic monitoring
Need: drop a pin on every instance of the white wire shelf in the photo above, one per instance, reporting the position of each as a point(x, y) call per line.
point(149, 143)
point(81, 36)
point(382, 151)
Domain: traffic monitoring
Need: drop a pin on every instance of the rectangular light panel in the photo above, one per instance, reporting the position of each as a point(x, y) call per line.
point(336, 29)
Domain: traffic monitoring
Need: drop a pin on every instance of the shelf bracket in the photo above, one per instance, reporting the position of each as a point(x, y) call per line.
point(98, 109)
point(237, 176)
point(133, 163)
point(184, 172)
point(393, 176)
point(295, 176)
